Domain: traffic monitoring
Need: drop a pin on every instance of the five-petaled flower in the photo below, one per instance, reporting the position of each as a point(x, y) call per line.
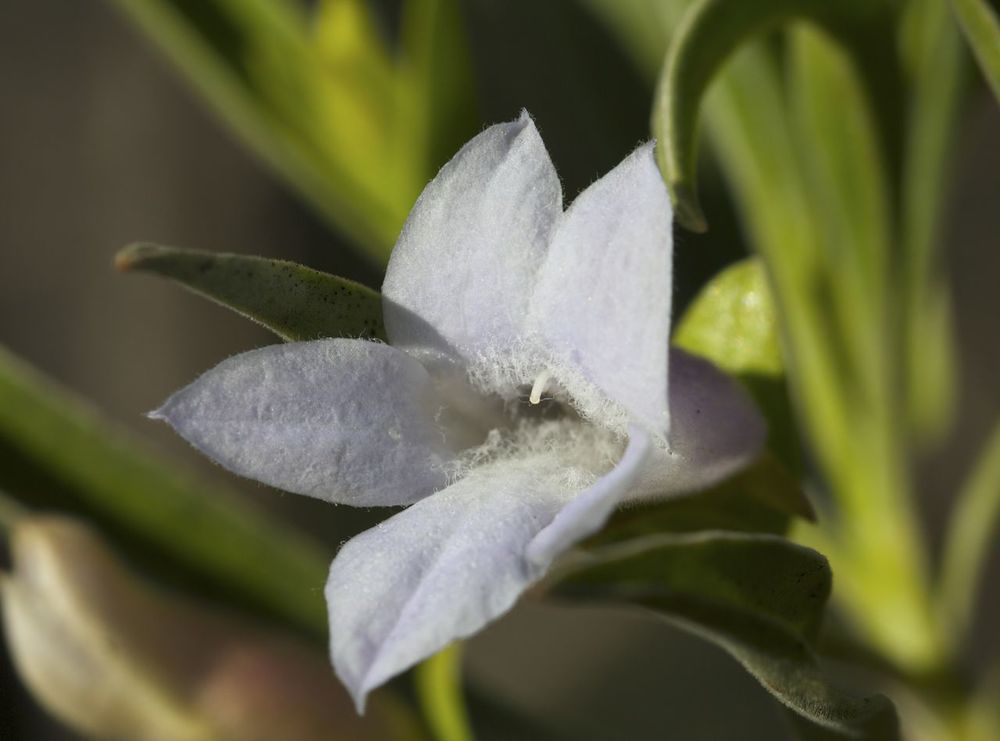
point(523, 397)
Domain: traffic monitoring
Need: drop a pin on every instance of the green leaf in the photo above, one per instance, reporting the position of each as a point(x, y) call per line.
point(708, 34)
point(760, 499)
point(758, 597)
point(435, 85)
point(981, 26)
point(970, 534)
point(60, 454)
point(937, 66)
point(294, 302)
point(846, 170)
point(321, 126)
point(734, 323)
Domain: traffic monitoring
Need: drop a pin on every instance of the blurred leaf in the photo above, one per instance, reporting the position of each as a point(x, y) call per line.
point(59, 453)
point(936, 67)
point(643, 26)
point(435, 86)
point(323, 131)
point(759, 499)
point(982, 30)
point(734, 323)
point(710, 31)
point(758, 597)
point(972, 526)
point(114, 657)
point(293, 301)
point(846, 172)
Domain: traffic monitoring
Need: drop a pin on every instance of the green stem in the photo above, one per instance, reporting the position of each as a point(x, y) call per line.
point(439, 689)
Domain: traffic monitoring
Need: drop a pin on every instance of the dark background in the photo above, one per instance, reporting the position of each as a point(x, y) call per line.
point(102, 144)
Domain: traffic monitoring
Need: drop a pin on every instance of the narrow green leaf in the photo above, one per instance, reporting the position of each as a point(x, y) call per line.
point(708, 34)
point(971, 529)
point(847, 176)
point(436, 87)
point(59, 453)
point(937, 68)
point(760, 499)
point(982, 30)
point(758, 597)
point(294, 302)
point(255, 63)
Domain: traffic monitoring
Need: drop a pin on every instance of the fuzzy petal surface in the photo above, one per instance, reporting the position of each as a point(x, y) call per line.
point(602, 302)
point(460, 275)
point(715, 430)
point(347, 421)
point(455, 561)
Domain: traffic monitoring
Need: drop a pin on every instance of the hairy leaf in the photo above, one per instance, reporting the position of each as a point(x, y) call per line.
point(293, 301)
point(757, 597)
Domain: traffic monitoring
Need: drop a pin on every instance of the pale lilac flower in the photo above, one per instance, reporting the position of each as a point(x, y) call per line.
point(524, 396)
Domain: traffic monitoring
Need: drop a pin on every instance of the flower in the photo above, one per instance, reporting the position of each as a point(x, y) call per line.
point(524, 396)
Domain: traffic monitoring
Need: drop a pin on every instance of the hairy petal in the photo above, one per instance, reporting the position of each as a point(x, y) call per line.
point(460, 275)
point(451, 563)
point(715, 430)
point(602, 302)
point(343, 420)
point(590, 510)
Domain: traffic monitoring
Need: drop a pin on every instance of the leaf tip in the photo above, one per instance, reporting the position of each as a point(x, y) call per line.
point(132, 256)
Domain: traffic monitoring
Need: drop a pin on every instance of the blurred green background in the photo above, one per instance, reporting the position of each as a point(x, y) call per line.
point(102, 144)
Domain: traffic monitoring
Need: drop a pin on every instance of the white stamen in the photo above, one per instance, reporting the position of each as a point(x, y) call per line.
point(538, 387)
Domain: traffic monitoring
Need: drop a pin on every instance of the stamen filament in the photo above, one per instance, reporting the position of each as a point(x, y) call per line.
point(538, 387)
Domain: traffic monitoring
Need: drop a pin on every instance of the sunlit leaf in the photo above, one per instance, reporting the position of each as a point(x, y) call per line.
point(758, 597)
point(256, 64)
point(59, 453)
point(733, 322)
point(293, 301)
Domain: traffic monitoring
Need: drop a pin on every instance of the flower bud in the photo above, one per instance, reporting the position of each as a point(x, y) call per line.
point(113, 657)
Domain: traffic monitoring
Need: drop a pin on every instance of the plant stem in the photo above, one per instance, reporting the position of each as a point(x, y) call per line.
point(439, 689)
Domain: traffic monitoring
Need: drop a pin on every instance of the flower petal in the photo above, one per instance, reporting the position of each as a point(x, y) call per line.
point(715, 430)
point(460, 274)
point(602, 302)
point(343, 420)
point(590, 510)
point(451, 563)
